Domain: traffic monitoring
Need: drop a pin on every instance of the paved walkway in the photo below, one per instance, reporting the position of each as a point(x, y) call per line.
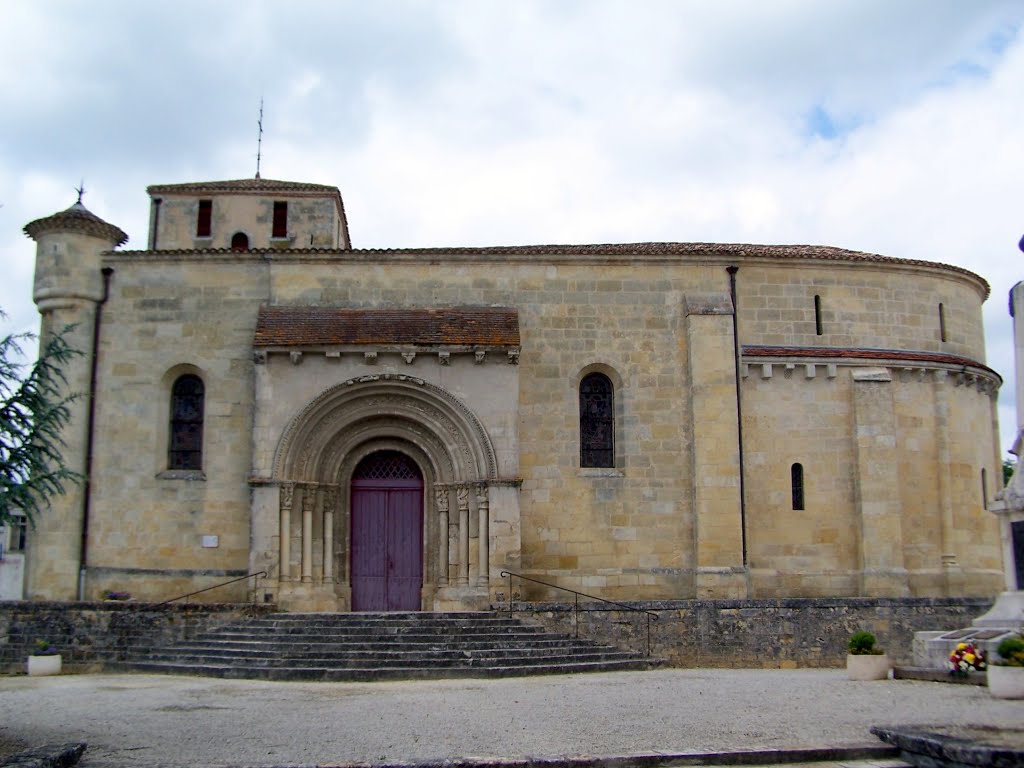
point(135, 720)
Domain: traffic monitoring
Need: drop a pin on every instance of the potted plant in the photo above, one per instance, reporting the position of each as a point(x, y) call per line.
point(865, 661)
point(966, 658)
point(45, 661)
point(1006, 676)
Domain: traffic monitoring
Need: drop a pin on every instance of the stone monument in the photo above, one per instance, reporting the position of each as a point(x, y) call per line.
point(932, 649)
point(1008, 503)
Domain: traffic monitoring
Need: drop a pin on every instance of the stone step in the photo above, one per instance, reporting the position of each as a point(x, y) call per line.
point(380, 646)
point(369, 649)
point(314, 636)
point(379, 620)
point(515, 660)
point(382, 628)
point(366, 674)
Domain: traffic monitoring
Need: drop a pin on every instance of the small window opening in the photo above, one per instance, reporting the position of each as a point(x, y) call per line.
point(155, 222)
point(280, 225)
point(817, 315)
point(597, 421)
point(796, 476)
point(942, 322)
point(239, 241)
point(984, 488)
point(186, 444)
point(204, 221)
point(12, 535)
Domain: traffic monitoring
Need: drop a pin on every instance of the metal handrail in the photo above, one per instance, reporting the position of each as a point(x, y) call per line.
point(215, 586)
point(576, 610)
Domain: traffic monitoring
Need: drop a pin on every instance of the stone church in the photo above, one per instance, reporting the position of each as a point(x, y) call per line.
point(390, 429)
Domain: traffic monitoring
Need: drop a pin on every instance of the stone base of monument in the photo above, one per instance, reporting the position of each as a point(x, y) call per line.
point(1006, 612)
point(932, 649)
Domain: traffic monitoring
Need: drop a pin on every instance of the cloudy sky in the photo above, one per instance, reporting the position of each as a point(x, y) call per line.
point(889, 126)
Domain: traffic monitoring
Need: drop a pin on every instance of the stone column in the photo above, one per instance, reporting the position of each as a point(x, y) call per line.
point(308, 502)
point(483, 510)
point(463, 497)
point(285, 535)
point(718, 546)
point(876, 477)
point(952, 576)
point(330, 499)
point(441, 498)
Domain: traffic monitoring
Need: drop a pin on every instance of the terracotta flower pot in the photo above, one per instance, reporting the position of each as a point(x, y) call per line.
point(44, 665)
point(867, 666)
point(1006, 682)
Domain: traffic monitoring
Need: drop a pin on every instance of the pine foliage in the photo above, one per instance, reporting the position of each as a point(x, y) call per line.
point(33, 411)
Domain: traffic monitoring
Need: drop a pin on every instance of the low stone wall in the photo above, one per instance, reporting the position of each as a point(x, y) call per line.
point(787, 633)
point(89, 634)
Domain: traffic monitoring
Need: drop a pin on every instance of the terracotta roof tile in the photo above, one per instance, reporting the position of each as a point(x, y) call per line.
point(77, 218)
point(284, 326)
point(895, 355)
point(241, 185)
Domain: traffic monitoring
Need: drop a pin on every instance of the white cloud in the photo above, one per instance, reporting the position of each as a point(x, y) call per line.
point(470, 122)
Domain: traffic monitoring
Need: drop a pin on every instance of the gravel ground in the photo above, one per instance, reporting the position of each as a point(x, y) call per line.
point(185, 721)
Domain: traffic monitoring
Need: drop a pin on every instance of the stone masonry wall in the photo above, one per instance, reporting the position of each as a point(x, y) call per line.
point(89, 634)
point(787, 633)
point(626, 531)
point(860, 307)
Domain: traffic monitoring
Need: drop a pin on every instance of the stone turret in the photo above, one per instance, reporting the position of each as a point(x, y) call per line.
point(69, 287)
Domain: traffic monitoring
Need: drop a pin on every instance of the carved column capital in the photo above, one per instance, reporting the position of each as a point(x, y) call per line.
point(287, 494)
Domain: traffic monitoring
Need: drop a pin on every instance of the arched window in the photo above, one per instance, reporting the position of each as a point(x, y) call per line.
point(239, 241)
point(796, 478)
point(186, 443)
point(597, 421)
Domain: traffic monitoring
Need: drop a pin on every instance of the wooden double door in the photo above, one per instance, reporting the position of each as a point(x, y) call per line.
point(387, 533)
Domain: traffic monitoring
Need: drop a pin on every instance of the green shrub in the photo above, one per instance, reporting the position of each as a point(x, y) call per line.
point(863, 644)
point(43, 648)
point(1012, 651)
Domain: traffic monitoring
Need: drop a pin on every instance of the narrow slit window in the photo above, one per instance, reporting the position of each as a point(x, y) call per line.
point(280, 226)
point(796, 477)
point(984, 488)
point(186, 439)
point(817, 315)
point(942, 322)
point(204, 219)
point(597, 421)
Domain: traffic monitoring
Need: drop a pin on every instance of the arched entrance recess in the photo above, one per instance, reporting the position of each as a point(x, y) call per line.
point(321, 452)
point(386, 533)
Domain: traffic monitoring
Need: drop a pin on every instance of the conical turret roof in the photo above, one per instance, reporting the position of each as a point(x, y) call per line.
point(77, 218)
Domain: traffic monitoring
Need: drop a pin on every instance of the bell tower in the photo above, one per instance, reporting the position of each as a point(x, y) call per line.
point(69, 286)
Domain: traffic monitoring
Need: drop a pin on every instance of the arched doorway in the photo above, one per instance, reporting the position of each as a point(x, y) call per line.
point(387, 533)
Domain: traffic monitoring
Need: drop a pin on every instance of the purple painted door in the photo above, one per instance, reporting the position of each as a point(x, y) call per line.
point(387, 533)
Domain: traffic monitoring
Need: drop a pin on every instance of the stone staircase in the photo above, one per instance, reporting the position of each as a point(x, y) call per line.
point(380, 646)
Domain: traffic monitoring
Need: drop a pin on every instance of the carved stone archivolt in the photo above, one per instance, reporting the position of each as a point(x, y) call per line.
point(321, 448)
point(402, 406)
